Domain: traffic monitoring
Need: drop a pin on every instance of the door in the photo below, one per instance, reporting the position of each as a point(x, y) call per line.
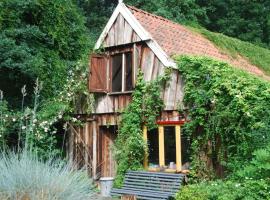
point(108, 136)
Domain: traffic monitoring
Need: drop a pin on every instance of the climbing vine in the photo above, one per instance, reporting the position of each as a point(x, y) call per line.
point(145, 107)
point(229, 111)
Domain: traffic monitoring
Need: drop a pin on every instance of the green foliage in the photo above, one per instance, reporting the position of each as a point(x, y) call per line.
point(39, 39)
point(144, 108)
point(256, 55)
point(245, 20)
point(25, 176)
point(184, 12)
point(258, 168)
point(219, 190)
point(228, 110)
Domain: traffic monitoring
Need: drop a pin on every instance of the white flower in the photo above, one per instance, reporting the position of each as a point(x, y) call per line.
point(23, 127)
point(46, 130)
point(69, 95)
point(6, 115)
point(14, 120)
point(60, 116)
point(35, 120)
point(74, 119)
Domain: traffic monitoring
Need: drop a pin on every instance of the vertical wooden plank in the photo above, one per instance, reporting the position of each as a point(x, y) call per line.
point(71, 146)
point(86, 153)
point(94, 161)
point(178, 148)
point(135, 64)
point(145, 160)
point(147, 63)
point(127, 33)
point(111, 36)
point(121, 28)
point(179, 94)
point(155, 68)
point(123, 71)
point(169, 94)
point(161, 146)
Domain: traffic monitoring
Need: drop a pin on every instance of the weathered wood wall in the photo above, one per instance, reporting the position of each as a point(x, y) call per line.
point(171, 93)
point(120, 33)
point(90, 146)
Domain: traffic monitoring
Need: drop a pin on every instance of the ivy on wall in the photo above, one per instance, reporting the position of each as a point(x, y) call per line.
point(144, 108)
point(229, 111)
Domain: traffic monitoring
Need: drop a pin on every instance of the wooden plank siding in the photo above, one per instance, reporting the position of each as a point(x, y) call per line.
point(144, 58)
point(120, 33)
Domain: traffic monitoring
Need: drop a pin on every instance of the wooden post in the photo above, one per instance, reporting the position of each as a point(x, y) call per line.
point(94, 164)
point(145, 160)
point(86, 156)
point(178, 148)
point(161, 146)
point(123, 72)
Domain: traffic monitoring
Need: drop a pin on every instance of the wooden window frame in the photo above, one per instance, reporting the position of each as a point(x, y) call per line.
point(123, 53)
point(177, 127)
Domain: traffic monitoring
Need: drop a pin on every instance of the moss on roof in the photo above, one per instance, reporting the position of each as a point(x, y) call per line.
point(256, 55)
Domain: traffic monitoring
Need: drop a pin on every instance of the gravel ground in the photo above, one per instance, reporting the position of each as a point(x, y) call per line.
point(98, 197)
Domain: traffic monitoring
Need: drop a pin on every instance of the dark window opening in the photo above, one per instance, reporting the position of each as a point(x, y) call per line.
point(153, 148)
point(128, 75)
point(185, 151)
point(117, 73)
point(122, 71)
point(170, 146)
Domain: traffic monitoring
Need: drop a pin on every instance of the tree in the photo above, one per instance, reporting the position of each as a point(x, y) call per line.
point(39, 38)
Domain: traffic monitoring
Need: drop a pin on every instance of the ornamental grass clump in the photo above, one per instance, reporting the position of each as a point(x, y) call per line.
point(23, 176)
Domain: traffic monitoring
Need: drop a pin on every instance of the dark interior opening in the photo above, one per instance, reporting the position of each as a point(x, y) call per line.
point(185, 150)
point(153, 147)
point(117, 73)
point(170, 146)
point(128, 75)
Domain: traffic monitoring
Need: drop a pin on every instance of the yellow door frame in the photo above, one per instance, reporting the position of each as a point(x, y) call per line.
point(161, 146)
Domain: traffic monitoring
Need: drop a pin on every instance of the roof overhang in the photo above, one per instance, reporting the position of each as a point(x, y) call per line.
point(140, 30)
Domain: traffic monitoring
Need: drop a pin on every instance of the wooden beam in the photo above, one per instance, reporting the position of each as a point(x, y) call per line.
point(178, 148)
point(145, 160)
point(123, 72)
point(94, 164)
point(161, 146)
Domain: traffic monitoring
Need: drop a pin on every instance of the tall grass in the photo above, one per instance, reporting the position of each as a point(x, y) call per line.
point(25, 177)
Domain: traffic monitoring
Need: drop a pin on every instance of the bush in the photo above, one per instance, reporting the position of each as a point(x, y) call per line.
point(25, 177)
point(259, 167)
point(219, 190)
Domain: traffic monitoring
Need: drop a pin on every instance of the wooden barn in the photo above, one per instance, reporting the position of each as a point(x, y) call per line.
point(134, 39)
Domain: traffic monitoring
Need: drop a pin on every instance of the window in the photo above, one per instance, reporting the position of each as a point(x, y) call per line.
point(122, 72)
point(169, 145)
point(167, 151)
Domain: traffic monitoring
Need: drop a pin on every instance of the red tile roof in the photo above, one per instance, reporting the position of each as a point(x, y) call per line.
point(177, 39)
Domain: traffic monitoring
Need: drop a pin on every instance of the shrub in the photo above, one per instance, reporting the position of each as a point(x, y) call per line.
point(219, 190)
point(25, 177)
point(258, 168)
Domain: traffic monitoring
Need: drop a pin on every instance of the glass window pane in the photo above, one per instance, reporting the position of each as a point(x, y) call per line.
point(170, 147)
point(128, 75)
point(153, 147)
point(117, 73)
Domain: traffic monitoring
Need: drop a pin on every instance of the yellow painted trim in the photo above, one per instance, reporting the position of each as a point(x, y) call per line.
point(145, 160)
point(178, 148)
point(161, 146)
